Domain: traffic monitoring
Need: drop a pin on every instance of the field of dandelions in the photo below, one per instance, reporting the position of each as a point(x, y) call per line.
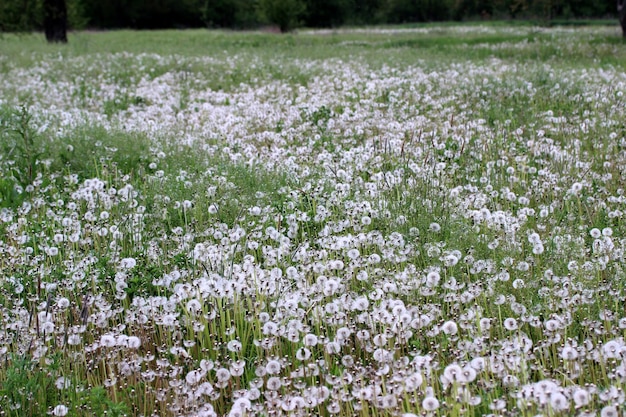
point(392, 222)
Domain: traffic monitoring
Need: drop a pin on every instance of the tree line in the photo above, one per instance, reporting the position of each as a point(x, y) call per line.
point(20, 15)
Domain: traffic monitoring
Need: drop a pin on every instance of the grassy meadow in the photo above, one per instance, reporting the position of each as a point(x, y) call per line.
point(401, 221)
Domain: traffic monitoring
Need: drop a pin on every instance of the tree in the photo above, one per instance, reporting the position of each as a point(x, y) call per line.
point(327, 13)
point(18, 15)
point(219, 13)
point(284, 13)
point(55, 20)
point(621, 11)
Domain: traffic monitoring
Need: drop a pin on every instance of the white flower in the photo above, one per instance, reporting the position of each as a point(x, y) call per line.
point(484, 324)
point(236, 368)
point(60, 410)
point(453, 373)
point(270, 328)
point(569, 353)
point(360, 304)
point(63, 303)
point(613, 349)
point(332, 348)
point(272, 366)
point(206, 364)
point(413, 382)
point(432, 279)
point(450, 260)
point(133, 342)
point(195, 376)
point(523, 266)
point(576, 188)
point(558, 401)
point(222, 374)
point(450, 328)
point(273, 383)
point(380, 340)
point(609, 411)
point(497, 404)
point(434, 227)
point(310, 340)
point(74, 339)
point(510, 324)
point(108, 340)
point(430, 404)
point(534, 238)
point(194, 306)
point(234, 346)
point(128, 263)
point(62, 382)
point(552, 325)
point(468, 374)
point(240, 407)
point(581, 397)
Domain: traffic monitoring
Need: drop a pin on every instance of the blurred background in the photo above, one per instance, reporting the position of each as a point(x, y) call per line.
point(27, 15)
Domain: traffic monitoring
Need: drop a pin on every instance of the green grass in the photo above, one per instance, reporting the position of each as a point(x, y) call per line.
point(497, 113)
point(443, 43)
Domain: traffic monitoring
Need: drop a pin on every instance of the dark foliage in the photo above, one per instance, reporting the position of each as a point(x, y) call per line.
point(20, 15)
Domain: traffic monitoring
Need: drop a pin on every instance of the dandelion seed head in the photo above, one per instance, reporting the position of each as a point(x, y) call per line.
point(430, 404)
point(60, 410)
